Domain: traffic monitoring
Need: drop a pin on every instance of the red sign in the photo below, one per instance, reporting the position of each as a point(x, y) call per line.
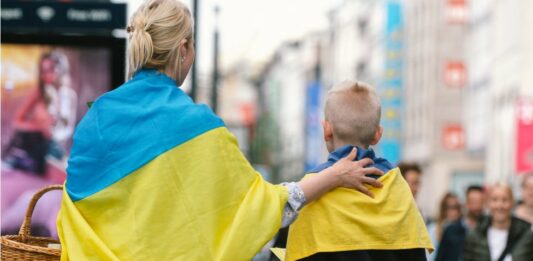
point(524, 141)
point(455, 74)
point(456, 12)
point(247, 113)
point(453, 137)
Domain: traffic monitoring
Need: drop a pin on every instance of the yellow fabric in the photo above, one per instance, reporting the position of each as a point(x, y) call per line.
point(345, 219)
point(199, 201)
point(279, 253)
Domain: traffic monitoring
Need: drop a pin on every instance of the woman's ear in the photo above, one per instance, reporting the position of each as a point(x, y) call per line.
point(183, 48)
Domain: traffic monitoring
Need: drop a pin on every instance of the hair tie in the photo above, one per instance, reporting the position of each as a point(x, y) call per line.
point(129, 29)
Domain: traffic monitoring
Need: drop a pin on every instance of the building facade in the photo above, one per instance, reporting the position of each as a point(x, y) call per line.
point(435, 84)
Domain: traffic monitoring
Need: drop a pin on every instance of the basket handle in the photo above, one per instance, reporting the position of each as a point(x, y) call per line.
point(25, 229)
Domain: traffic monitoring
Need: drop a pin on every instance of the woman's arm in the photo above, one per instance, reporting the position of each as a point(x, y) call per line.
point(32, 115)
point(345, 173)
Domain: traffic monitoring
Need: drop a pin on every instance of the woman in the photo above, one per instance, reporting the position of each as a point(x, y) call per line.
point(449, 211)
point(61, 100)
point(500, 236)
point(33, 124)
point(153, 176)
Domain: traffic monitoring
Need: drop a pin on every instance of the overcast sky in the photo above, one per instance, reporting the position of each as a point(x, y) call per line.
point(251, 30)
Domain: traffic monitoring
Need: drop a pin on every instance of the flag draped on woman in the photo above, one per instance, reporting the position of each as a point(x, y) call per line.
point(153, 176)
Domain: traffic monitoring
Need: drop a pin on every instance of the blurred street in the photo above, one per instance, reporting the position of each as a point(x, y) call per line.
point(454, 78)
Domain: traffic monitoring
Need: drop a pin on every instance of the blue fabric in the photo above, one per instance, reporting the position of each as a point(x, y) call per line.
point(362, 153)
point(128, 127)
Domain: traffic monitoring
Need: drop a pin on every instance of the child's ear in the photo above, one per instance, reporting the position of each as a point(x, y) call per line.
point(377, 135)
point(328, 131)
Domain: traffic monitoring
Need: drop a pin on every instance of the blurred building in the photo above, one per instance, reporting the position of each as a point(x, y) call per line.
point(291, 98)
point(435, 83)
point(353, 47)
point(238, 104)
point(499, 94)
point(450, 75)
point(283, 90)
point(296, 81)
point(366, 45)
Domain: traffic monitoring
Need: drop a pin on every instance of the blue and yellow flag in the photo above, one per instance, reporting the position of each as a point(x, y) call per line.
point(345, 220)
point(153, 176)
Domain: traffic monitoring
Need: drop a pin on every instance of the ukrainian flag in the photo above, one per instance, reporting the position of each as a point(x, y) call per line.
point(153, 176)
point(346, 220)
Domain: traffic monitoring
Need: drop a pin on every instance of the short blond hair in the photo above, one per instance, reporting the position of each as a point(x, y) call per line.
point(155, 32)
point(504, 186)
point(353, 109)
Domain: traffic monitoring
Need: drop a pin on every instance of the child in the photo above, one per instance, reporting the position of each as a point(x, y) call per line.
point(346, 224)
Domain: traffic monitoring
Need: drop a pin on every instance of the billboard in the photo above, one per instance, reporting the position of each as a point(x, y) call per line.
point(45, 90)
point(391, 92)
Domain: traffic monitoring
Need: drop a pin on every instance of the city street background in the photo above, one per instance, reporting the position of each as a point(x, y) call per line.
point(454, 78)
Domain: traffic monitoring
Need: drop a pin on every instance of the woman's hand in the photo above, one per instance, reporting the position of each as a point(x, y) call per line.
point(353, 174)
point(345, 173)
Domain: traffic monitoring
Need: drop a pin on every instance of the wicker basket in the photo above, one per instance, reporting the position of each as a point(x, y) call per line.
point(26, 247)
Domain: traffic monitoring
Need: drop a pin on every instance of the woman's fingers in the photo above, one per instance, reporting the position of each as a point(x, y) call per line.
point(364, 162)
point(373, 171)
point(372, 182)
point(364, 190)
point(352, 155)
point(353, 174)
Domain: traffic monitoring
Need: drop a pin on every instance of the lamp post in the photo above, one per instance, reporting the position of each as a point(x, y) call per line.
point(195, 29)
point(214, 90)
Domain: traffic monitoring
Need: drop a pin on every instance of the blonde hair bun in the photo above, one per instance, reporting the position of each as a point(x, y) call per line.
point(155, 32)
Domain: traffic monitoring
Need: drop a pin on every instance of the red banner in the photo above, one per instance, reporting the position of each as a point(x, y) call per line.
point(524, 141)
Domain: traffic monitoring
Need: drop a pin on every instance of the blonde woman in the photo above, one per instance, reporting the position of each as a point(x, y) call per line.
point(500, 236)
point(154, 176)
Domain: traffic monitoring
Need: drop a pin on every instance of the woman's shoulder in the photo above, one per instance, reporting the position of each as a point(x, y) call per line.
point(520, 224)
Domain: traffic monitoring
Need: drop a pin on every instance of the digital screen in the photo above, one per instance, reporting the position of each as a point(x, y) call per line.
point(45, 91)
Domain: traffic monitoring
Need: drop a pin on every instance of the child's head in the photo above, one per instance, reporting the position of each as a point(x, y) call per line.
point(352, 115)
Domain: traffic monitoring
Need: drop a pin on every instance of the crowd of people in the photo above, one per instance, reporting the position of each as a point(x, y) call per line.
point(489, 225)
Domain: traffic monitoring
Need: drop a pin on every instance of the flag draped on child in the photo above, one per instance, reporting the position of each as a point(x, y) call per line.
point(153, 176)
point(345, 220)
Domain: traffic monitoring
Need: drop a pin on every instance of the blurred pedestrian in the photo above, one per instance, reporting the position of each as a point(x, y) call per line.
point(449, 211)
point(500, 236)
point(525, 210)
point(475, 205)
point(412, 173)
point(452, 242)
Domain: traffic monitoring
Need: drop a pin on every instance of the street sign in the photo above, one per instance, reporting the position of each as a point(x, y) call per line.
point(455, 74)
point(453, 137)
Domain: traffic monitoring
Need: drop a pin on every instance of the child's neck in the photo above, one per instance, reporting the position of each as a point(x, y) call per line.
point(338, 143)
